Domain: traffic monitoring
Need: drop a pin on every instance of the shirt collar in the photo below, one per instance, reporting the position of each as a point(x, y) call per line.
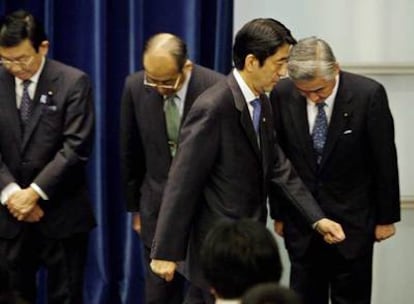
point(224, 301)
point(329, 101)
point(246, 91)
point(182, 92)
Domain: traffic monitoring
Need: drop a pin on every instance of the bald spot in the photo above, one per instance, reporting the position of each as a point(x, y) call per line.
point(158, 61)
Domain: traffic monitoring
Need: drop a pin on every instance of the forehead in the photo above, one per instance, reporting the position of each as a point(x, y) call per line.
point(24, 48)
point(160, 64)
point(312, 84)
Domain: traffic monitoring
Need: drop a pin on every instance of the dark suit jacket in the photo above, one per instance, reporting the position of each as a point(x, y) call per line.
point(145, 154)
point(219, 173)
point(356, 183)
point(53, 150)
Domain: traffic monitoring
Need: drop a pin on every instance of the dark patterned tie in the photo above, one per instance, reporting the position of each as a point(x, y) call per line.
point(172, 120)
point(257, 109)
point(319, 131)
point(26, 105)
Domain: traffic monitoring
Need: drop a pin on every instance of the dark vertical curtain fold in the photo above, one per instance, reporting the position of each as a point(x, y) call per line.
point(105, 39)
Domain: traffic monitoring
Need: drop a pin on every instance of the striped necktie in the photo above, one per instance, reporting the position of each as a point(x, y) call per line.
point(320, 130)
point(172, 119)
point(26, 104)
point(257, 109)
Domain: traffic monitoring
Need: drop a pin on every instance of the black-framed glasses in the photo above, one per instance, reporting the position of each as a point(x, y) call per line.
point(168, 84)
point(22, 63)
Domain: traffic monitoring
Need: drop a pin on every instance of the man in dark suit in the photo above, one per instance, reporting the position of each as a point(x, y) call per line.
point(337, 130)
point(147, 143)
point(228, 159)
point(46, 127)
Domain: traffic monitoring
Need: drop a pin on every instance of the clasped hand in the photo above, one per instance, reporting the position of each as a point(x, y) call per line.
point(23, 205)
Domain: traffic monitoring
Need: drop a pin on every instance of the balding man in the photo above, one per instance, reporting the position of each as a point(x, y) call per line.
point(154, 103)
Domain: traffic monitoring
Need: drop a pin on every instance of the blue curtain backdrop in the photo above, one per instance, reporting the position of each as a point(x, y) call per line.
point(105, 39)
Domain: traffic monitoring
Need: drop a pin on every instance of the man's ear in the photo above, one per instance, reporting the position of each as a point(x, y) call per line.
point(250, 63)
point(43, 48)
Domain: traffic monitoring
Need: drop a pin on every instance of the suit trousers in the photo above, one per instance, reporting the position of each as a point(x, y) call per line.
point(63, 259)
point(159, 291)
point(323, 273)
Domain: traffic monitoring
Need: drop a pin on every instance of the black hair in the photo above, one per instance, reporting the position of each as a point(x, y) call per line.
point(270, 293)
point(239, 254)
point(260, 37)
point(21, 25)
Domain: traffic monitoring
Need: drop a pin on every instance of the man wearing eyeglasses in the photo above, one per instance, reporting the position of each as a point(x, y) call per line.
point(154, 103)
point(46, 128)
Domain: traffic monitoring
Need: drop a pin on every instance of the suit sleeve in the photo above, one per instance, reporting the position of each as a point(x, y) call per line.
point(77, 137)
point(277, 197)
point(132, 160)
point(381, 136)
point(198, 147)
point(290, 187)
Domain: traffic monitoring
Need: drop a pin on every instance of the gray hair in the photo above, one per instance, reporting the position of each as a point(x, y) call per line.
point(310, 58)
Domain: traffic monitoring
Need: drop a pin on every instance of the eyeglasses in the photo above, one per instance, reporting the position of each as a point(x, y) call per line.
point(167, 84)
point(22, 63)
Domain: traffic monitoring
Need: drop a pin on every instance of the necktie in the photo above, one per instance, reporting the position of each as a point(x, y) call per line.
point(26, 105)
point(172, 119)
point(320, 130)
point(257, 109)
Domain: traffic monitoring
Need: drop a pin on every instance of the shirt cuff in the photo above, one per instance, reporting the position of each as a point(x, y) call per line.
point(39, 191)
point(8, 191)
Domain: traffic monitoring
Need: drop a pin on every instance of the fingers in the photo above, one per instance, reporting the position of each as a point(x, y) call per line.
point(21, 213)
point(332, 232)
point(136, 222)
point(383, 232)
point(278, 227)
point(34, 216)
point(164, 269)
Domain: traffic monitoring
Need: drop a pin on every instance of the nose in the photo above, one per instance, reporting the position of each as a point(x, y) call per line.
point(283, 70)
point(162, 91)
point(313, 96)
point(14, 68)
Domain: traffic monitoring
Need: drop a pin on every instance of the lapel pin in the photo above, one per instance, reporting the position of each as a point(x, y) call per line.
point(43, 99)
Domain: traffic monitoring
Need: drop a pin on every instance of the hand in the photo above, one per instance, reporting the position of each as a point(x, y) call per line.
point(332, 231)
point(383, 232)
point(35, 215)
point(21, 203)
point(136, 222)
point(278, 227)
point(163, 269)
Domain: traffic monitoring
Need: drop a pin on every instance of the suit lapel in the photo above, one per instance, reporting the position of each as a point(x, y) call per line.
point(266, 130)
point(340, 116)
point(192, 92)
point(245, 118)
point(9, 106)
point(155, 113)
point(46, 79)
point(299, 118)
